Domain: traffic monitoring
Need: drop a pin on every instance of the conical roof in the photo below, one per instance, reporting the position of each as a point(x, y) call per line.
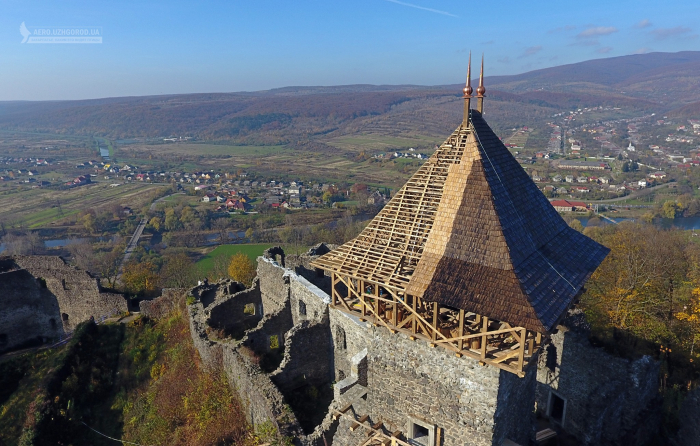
point(472, 231)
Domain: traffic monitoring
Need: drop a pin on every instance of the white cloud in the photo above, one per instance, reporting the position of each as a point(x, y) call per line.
point(531, 51)
point(596, 31)
point(643, 24)
point(665, 33)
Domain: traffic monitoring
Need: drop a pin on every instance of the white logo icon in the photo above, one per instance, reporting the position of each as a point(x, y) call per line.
point(25, 32)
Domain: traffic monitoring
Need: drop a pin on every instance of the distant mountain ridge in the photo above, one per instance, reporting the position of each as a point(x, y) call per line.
point(655, 81)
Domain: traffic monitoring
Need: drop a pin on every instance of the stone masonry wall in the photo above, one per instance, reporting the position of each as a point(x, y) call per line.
point(78, 294)
point(604, 394)
point(408, 379)
point(261, 398)
point(229, 313)
point(514, 418)
point(169, 300)
point(307, 301)
point(689, 420)
point(274, 286)
point(350, 337)
point(29, 311)
point(307, 357)
point(277, 324)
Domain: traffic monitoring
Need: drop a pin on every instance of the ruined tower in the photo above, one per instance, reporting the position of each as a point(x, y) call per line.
point(464, 274)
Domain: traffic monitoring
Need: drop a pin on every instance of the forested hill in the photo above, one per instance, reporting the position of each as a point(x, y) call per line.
point(655, 81)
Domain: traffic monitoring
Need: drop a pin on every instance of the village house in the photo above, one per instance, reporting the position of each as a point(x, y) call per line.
point(569, 206)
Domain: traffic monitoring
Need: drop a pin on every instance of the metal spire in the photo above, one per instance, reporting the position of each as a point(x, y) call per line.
point(467, 92)
point(481, 90)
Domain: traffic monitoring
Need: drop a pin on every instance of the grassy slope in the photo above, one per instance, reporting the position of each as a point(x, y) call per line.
point(140, 383)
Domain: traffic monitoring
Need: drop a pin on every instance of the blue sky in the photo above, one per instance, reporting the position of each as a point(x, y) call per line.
point(158, 47)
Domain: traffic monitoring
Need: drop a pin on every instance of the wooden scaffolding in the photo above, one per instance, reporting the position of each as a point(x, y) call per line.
point(468, 255)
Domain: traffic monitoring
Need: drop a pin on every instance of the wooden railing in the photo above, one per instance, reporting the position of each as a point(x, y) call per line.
point(465, 333)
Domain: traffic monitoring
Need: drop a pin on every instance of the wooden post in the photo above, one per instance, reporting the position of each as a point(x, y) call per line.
point(460, 343)
point(521, 353)
point(530, 345)
point(414, 321)
point(334, 293)
point(484, 329)
point(395, 313)
point(436, 310)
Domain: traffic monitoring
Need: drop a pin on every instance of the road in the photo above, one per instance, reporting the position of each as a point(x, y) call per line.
point(134, 242)
point(633, 195)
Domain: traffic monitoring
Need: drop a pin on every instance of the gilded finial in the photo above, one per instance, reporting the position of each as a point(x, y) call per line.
point(480, 91)
point(467, 92)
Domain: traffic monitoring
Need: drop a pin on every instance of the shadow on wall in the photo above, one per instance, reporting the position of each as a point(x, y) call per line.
point(595, 396)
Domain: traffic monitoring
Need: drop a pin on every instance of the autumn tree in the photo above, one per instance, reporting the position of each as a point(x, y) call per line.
point(107, 264)
point(140, 278)
point(637, 286)
point(177, 270)
point(242, 269)
point(691, 315)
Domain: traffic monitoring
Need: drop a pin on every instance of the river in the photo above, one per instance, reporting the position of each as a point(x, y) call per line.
point(685, 223)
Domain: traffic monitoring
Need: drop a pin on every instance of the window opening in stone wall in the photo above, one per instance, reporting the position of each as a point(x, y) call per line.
point(302, 308)
point(52, 323)
point(420, 433)
point(249, 309)
point(556, 408)
point(64, 317)
point(274, 342)
point(3, 339)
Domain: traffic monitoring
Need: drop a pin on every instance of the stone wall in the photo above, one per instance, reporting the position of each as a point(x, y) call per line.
point(308, 354)
point(307, 301)
point(689, 420)
point(237, 313)
point(409, 380)
point(605, 395)
point(274, 286)
point(350, 337)
point(262, 399)
point(170, 299)
point(78, 294)
point(277, 324)
point(29, 311)
point(43, 297)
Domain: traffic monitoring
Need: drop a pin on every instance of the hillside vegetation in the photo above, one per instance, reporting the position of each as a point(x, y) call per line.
point(140, 382)
point(309, 118)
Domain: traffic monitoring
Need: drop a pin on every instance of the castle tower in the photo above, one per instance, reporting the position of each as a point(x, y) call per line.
point(464, 274)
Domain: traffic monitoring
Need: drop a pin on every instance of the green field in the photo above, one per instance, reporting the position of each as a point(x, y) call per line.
point(380, 142)
point(253, 251)
point(216, 149)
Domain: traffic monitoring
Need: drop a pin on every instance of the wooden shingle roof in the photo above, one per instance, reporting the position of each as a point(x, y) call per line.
point(472, 231)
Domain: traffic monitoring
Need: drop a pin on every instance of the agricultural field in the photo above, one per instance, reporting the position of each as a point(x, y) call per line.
point(375, 142)
point(36, 208)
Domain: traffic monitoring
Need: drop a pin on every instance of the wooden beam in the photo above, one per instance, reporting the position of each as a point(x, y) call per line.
point(460, 342)
point(521, 350)
point(484, 329)
point(436, 310)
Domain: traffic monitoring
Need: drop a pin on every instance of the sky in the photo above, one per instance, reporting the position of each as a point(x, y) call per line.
point(158, 47)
